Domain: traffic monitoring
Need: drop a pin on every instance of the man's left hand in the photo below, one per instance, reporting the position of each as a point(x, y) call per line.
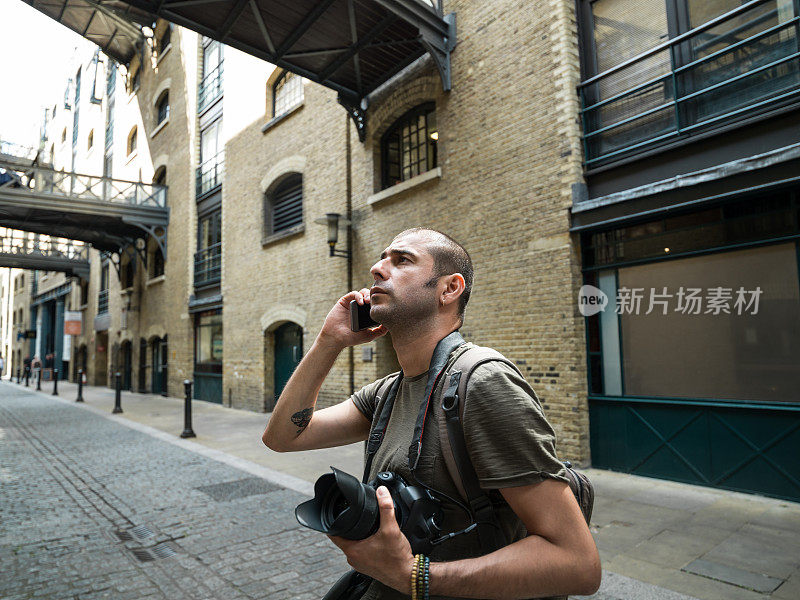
point(385, 555)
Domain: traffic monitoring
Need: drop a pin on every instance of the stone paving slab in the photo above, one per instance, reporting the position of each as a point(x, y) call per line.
point(739, 577)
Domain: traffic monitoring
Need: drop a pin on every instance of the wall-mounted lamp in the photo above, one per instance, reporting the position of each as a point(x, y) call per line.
point(333, 220)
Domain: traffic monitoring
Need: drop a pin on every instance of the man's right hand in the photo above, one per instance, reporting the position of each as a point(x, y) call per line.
point(336, 332)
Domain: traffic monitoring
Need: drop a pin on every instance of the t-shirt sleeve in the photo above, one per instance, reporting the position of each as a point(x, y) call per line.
point(508, 437)
point(365, 398)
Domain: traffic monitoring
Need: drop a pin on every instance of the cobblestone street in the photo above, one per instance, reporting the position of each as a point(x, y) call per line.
point(92, 509)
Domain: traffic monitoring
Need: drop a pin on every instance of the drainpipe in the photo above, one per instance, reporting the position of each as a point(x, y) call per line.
point(349, 216)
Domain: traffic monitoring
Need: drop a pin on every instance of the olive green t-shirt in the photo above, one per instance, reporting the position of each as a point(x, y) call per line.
point(508, 438)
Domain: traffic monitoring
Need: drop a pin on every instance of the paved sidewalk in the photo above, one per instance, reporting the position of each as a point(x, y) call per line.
point(658, 540)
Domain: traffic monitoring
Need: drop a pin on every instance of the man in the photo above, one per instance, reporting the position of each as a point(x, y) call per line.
point(422, 284)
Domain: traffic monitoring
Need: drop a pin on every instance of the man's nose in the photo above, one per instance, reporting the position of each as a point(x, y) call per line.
point(377, 270)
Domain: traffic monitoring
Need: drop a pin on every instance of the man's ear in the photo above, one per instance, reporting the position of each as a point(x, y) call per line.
point(454, 287)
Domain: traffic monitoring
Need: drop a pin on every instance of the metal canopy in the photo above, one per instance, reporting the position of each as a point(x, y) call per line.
point(351, 46)
point(113, 25)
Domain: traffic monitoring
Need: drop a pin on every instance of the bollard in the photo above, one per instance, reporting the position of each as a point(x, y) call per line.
point(187, 410)
point(19, 375)
point(55, 382)
point(39, 379)
point(27, 376)
point(118, 394)
point(80, 386)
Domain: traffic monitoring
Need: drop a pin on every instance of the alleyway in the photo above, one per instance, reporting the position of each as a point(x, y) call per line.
point(100, 506)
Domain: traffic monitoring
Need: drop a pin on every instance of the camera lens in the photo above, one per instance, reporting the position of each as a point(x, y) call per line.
point(333, 506)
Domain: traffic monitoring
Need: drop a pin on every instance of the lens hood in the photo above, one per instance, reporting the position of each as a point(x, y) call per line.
point(341, 506)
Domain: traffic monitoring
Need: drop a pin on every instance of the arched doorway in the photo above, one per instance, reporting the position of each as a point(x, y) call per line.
point(158, 353)
point(126, 364)
point(81, 358)
point(288, 352)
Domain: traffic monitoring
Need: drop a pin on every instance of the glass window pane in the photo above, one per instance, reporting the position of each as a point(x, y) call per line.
point(748, 353)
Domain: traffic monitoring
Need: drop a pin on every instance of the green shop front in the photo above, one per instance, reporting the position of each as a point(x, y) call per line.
point(694, 363)
point(208, 355)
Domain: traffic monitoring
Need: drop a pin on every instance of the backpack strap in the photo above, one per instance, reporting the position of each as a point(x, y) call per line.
point(454, 447)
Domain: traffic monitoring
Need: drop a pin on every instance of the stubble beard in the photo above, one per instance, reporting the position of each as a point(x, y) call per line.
point(409, 315)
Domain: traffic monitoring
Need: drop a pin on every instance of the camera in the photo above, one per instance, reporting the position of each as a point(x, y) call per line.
point(345, 507)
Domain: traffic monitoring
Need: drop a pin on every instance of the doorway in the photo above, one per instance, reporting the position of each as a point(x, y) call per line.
point(288, 352)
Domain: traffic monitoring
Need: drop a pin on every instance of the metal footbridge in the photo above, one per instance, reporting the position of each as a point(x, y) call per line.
point(20, 250)
point(110, 214)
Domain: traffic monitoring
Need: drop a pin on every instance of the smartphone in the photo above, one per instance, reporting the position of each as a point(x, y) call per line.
point(359, 316)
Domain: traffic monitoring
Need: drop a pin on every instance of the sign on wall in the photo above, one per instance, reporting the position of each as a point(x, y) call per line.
point(73, 322)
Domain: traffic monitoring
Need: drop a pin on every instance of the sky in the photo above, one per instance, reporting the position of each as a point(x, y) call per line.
point(36, 56)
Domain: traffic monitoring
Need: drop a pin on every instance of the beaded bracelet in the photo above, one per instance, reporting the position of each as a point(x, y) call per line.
point(414, 577)
point(426, 579)
point(420, 567)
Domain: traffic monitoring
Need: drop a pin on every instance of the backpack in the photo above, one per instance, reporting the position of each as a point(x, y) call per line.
point(465, 358)
point(451, 432)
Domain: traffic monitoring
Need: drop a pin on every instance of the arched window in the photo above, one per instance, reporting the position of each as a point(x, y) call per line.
point(132, 140)
point(283, 208)
point(408, 148)
point(155, 259)
point(286, 93)
point(162, 107)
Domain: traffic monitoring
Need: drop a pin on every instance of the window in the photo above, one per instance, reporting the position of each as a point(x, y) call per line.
point(284, 205)
point(165, 39)
point(127, 270)
point(209, 173)
point(102, 294)
point(208, 344)
point(286, 93)
point(211, 83)
point(705, 79)
point(162, 107)
point(132, 141)
point(408, 148)
point(64, 135)
point(90, 140)
point(155, 258)
point(727, 322)
point(160, 179)
point(208, 258)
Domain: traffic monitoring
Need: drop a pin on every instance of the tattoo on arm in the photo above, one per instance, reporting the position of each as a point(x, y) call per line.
point(302, 418)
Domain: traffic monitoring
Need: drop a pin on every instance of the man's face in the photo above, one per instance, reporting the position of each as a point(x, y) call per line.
point(405, 290)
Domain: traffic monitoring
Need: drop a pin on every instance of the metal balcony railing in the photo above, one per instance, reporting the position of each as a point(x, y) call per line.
point(23, 244)
point(102, 302)
point(740, 62)
point(210, 174)
point(58, 184)
point(208, 265)
point(210, 88)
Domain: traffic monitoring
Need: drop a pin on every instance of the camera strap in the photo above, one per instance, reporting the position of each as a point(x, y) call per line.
point(439, 360)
